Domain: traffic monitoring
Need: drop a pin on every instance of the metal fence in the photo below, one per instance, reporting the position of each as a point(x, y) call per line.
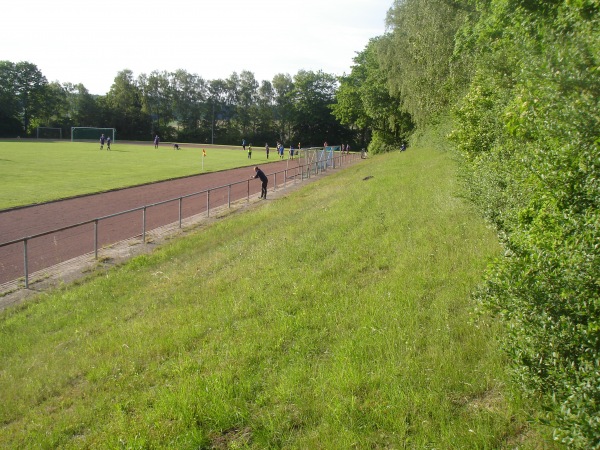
point(221, 195)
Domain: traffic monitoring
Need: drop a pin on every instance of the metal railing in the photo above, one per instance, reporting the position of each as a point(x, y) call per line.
point(300, 172)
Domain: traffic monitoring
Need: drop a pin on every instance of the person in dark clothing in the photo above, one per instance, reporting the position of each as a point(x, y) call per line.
point(260, 174)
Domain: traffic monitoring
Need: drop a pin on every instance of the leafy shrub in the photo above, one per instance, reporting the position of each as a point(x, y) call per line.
point(529, 139)
point(379, 144)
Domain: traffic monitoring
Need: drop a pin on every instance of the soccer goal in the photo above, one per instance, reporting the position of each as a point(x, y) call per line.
point(92, 133)
point(319, 157)
point(49, 133)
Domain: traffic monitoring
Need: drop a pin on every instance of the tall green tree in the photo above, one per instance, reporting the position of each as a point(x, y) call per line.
point(247, 102)
point(123, 108)
point(265, 113)
point(83, 106)
point(283, 85)
point(10, 125)
point(157, 101)
point(364, 102)
point(230, 129)
point(24, 91)
point(190, 108)
point(313, 95)
point(222, 101)
point(32, 92)
point(55, 109)
point(418, 55)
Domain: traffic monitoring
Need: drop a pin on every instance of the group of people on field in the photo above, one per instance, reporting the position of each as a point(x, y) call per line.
point(280, 149)
point(157, 141)
point(104, 140)
point(258, 172)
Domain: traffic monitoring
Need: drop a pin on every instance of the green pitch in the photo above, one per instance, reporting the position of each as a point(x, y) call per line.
point(36, 172)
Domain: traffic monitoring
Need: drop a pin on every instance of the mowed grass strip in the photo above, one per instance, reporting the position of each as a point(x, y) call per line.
point(336, 317)
point(40, 171)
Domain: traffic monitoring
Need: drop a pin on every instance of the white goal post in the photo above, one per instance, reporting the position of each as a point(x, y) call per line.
point(49, 133)
point(92, 133)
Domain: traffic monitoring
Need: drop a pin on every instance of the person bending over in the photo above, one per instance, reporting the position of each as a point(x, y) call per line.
point(265, 181)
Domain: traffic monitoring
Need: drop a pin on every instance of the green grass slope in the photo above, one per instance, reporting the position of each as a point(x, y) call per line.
point(336, 317)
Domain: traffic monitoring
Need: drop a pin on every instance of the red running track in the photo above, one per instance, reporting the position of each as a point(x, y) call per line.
point(52, 249)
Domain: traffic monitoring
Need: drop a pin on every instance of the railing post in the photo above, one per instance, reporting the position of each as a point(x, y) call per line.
point(144, 226)
point(95, 238)
point(208, 203)
point(248, 198)
point(180, 211)
point(26, 265)
point(229, 196)
point(275, 182)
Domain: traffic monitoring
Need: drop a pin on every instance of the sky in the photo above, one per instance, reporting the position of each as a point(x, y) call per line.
point(90, 41)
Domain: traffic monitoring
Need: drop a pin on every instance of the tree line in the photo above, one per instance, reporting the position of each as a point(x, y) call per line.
point(179, 106)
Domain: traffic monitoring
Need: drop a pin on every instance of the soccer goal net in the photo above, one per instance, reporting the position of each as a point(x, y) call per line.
point(49, 133)
point(92, 133)
point(321, 157)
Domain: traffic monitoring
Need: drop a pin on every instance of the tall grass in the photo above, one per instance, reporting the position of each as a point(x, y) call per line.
point(35, 172)
point(337, 317)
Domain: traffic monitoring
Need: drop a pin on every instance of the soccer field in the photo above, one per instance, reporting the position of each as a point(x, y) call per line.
point(40, 171)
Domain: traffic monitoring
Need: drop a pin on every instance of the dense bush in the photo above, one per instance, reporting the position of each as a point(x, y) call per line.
point(379, 144)
point(529, 137)
point(10, 127)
